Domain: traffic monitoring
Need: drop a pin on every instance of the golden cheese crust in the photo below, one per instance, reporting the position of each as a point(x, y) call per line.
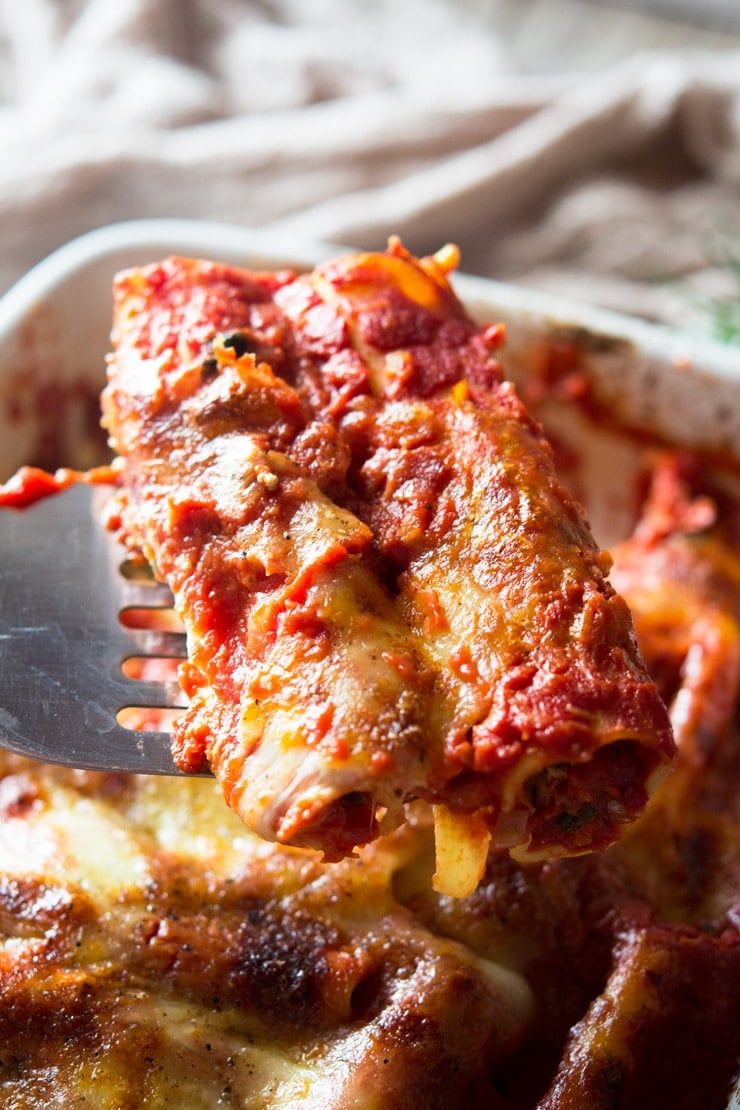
point(156, 953)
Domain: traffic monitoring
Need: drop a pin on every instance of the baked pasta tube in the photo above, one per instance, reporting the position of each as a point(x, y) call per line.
point(387, 593)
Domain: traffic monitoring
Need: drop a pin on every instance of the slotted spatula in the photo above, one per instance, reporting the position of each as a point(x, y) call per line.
point(63, 643)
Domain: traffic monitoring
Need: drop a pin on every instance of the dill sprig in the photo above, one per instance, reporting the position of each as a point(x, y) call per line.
point(722, 311)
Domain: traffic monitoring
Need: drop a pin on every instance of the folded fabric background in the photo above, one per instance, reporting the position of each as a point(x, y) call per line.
point(349, 120)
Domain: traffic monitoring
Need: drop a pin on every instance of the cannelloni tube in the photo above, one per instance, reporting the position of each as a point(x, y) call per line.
point(387, 593)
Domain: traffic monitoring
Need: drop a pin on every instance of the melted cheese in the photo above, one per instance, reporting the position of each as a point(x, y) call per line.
point(160, 953)
point(461, 843)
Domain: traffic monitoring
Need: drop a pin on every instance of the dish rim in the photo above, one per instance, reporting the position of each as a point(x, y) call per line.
point(228, 241)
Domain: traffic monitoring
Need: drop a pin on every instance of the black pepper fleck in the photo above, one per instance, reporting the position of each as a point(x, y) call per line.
point(239, 343)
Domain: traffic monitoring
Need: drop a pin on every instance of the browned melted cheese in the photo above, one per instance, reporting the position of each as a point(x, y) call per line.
point(156, 953)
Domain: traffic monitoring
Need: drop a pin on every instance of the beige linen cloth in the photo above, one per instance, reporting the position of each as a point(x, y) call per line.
point(349, 120)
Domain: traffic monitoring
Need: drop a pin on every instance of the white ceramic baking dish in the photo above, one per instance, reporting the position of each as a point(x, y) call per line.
point(654, 384)
point(54, 335)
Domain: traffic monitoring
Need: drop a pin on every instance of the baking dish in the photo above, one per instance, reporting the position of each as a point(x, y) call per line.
point(55, 324)
point(638, 386)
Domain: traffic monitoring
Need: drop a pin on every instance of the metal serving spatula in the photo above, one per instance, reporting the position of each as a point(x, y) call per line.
point(66, 589)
